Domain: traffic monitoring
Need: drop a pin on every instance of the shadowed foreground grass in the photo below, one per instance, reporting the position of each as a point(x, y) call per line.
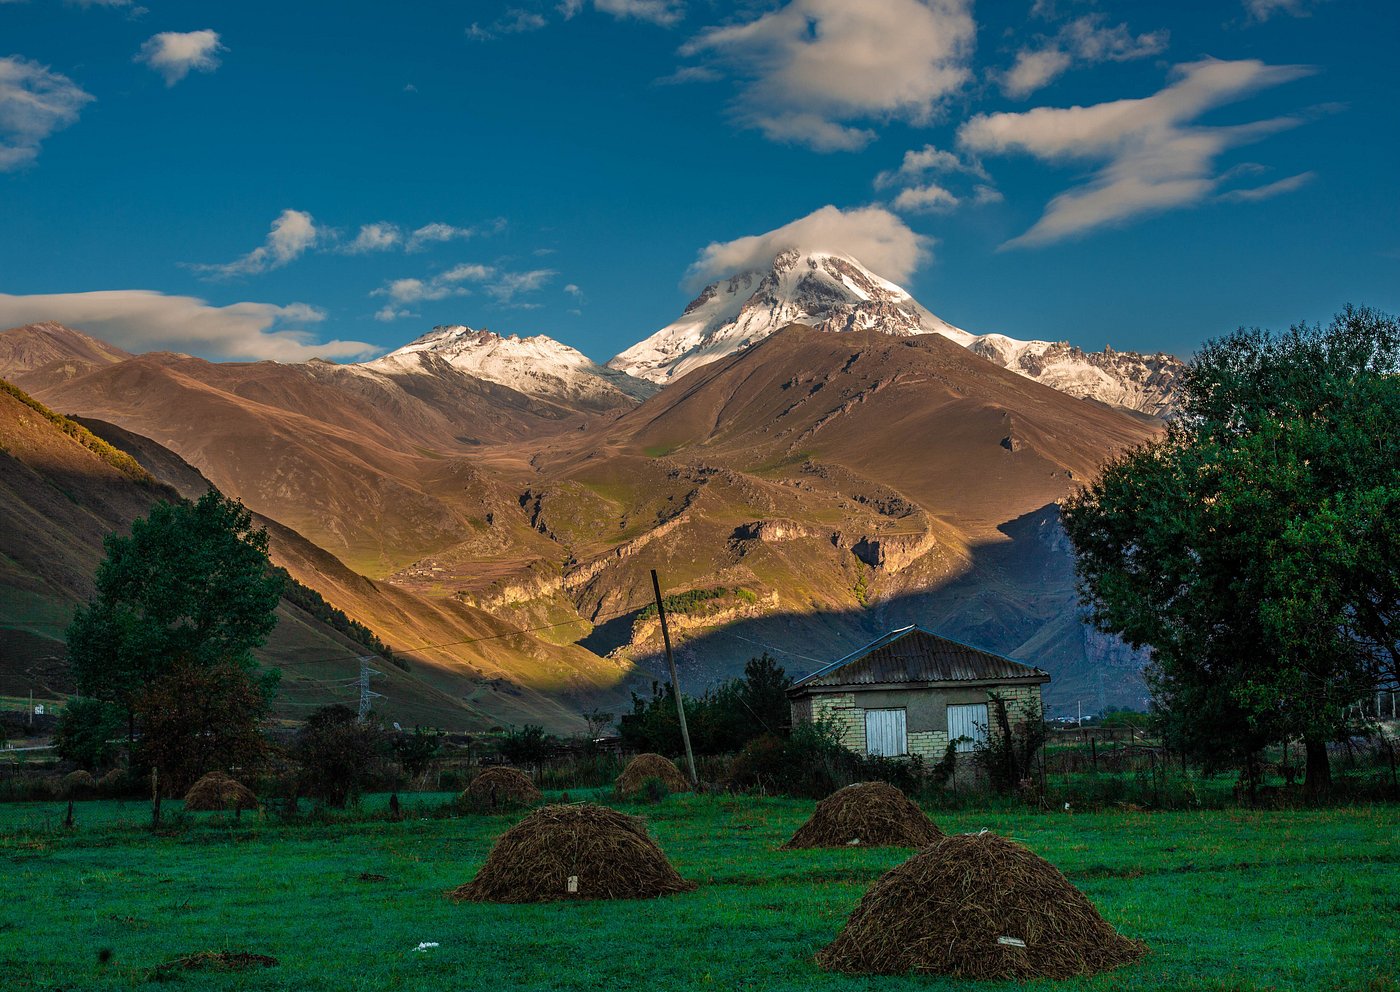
point(1230, 901)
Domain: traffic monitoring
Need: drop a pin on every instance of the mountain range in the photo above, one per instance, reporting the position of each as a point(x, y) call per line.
point(491, 506)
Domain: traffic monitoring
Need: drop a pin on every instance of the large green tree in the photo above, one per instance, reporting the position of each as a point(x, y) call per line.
point(191, 584)
point(1252, 548)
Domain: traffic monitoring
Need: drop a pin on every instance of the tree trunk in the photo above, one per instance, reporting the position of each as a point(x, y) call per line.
point(1317, 777)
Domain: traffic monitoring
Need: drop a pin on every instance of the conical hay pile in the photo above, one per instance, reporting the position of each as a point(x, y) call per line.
point(873, 814)
point(645, 766)
point(217, 791)
point(574, 852)
point(79, 782)
point(980, 907)
point(499, 788)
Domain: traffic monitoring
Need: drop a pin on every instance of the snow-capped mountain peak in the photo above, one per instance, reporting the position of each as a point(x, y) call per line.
point(537, 365)
point(834, 292)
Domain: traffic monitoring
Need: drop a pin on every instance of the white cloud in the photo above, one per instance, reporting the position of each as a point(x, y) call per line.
point(662, 12)
point(872, 235)
point(388, 312)
point(385, 236)
point(815, 66)
point(1262, 10)
point(436, 233)
point(502, 287)
point(146, 320)
point(509, 285)
point(292, 233)
point(986, 194)
point(922, 161)
point(1155, 157)
point(380, 236)
point(34, 103)
point(1033, 69)
point(516, 20)
point(1258, 193)
point(929, 198)
point(174, 54)
point(1085, 40)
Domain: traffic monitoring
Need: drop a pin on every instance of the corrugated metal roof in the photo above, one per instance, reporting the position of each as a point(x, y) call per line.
point(912, 654)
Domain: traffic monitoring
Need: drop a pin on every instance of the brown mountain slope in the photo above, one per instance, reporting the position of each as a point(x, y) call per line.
point(53, 351)
point(62, 490)
point(366, 468)
point(847, 483)
point(806, 494)
point(496, 676)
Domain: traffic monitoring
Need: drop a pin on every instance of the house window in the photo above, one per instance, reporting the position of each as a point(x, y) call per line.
point(969, 722)
point(884, 733)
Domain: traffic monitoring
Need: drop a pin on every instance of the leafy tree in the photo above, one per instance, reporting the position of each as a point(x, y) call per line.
point(339, 755)
point(721, 721)
point(529, 745)
point(85, 733)
point(202, 718)
point(192, 583)
point(1252, 547)
point(417, 751)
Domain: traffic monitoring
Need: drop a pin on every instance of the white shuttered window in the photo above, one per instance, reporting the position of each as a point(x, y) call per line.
point(969, 721)
point(884, 733)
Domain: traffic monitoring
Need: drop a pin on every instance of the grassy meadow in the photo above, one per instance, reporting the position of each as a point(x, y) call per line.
point(1232, 901)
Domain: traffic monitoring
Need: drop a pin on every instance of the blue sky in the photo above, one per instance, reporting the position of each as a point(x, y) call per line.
point(256, 180)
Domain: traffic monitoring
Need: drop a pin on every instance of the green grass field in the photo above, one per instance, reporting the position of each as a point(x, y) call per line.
point(1229, 901)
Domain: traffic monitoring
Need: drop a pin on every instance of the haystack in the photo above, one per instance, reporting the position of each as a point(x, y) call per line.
point(981, 907)
point(216, 791)
point(648, 766)
point(869, 814)
point(574, 852)
point(79, 783)
point(114, 779)
point(499, 788)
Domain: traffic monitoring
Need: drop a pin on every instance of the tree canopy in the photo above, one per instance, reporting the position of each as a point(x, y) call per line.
point(191, 583)
point(1252, 547)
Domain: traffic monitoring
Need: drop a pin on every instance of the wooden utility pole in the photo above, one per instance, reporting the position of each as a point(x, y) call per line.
point(675, 681)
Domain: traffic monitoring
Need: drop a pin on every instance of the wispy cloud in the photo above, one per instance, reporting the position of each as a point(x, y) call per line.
point(510, 285)
point(871, 235)
point(929, 198)
point(1262, 10)
point(379, 236)
point(1270, 190)
point(928, 160)
point(387, 236)
point(34, 103)
point(1084, 41)
point(662, 12)
point(292, 234)
point(815, 70)
point(146, 320)
point(516, 20)
point(1155, 157)
point(504, 287)
point(176, 54)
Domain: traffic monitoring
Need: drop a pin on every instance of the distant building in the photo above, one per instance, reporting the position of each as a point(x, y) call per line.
point(911, 692)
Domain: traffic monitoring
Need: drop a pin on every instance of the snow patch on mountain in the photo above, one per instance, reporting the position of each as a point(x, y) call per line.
point(536, 366)
point(834, 292)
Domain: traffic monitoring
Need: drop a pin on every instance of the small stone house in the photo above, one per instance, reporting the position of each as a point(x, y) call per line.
point(911, 692)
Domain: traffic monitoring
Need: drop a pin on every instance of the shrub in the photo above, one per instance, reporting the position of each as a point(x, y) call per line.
point(419, 750)
point(1007, 754)
point(529, 745)
point(86, 730)
point(810, 762)
point(197, 719)
point(339, 755)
